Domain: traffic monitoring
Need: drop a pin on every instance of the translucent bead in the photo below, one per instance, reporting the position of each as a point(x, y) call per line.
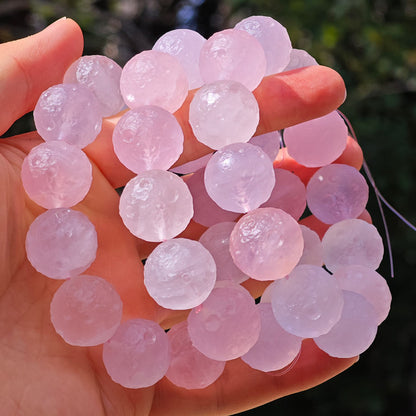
point(312, 249)
point(299, 59)
point(101, 75)
point(86, 310)
point(154, 78)
point(61, 243)
point(68, 112)
point(268, 142)
point(138, 354)
point(56, 175)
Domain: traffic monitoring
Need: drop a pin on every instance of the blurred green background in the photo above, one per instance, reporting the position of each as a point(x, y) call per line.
point(372, 44)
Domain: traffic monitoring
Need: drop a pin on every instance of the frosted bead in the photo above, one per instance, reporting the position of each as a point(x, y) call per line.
point(185, 45)
point(226, 325)
point(68, 112)
point(192, 166)
point(336, 192)
point(101, 75)
point(206, 211)
point(352, 241)
point(146, 138)
point(274, 39)
point(189, 368)
point(138, 354)
point(179, 274)
point(266, 243)
point(269, 143)
point(156, 205)
point(239, 177)
point(61, 243)
point(354, 332)
point(317, 142)
point(56, 174)
point(299, 59)
point(312, 249)
point(216, 239)
point(154, 78)
point(222, 113)
point(86, 310)
point(288, 194)
point(275, 348)
point(368, 283)
point(307, 303)
point(235, 55)
point(266, 297)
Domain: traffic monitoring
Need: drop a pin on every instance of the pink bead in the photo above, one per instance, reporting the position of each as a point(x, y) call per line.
point(268, 142)
point(299, 59)
point(189, 368)
point(352, 242)
point(156, 205)
point(154, 78)
point(138, 354)
point(86, 310)
point(206, 211)
point(185, 45)
point(227, 324)
point(146, 138)
point(317, 142)
point(101, 75)
point(222, 113)
point(192, 166)
point(235, 55)
point(275, 348)
point(354, 332)
point(368, 283)
point(239, 177)
point(216, 239)
point(336, 192)
point(56, 174)
point(68, 112)
point(307, 303)
point(61, 243)
point(312, 249)
point(266, 244)
point(274, 39)
point(179, 274)
point(288, 194)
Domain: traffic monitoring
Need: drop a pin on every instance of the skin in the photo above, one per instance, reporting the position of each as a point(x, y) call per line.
point(39, 373)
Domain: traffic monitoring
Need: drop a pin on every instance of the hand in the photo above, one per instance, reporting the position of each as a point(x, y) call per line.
point(39, 373)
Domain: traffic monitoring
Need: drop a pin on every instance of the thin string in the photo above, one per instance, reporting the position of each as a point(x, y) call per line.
point(380, 199)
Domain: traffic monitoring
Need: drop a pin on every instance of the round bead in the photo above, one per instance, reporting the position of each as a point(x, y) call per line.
point(266, 244)
point(101, 75)
point(239, 177)
point(189, 368)
point(61, 243)
point(268, 142)
point(154, 78)
point(308, 303)
point(138, 354)
point(299, 59)
point(179, 274)
point(56, 174)
point(222, 113)
point(68, 112)
point(274, 39)
point(275, 348)
point(86, 310)
point(317, 142)
point(312, 249)
point(336, 192)
point(227, 324)
point(146, 138)
point(156, 205)
point(352, 242)
point(216, 239)
point(354, 332)
point(185, 45)
point(368, 283)
point(235, 55)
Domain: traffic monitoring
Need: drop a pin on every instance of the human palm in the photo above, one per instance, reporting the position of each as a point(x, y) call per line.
point(39, 373)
